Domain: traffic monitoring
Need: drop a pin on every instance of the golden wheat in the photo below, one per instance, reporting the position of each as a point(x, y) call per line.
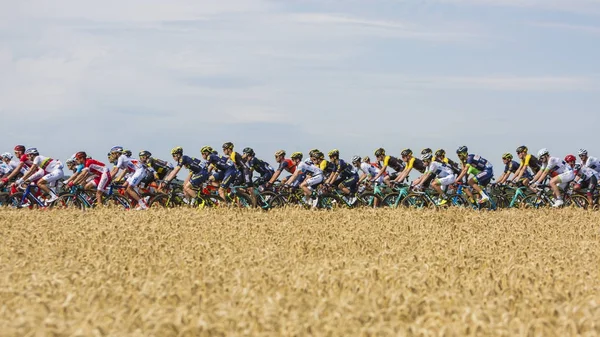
point(295, 272)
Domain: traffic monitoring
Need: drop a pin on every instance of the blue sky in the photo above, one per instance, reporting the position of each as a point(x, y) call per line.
point(353, 75)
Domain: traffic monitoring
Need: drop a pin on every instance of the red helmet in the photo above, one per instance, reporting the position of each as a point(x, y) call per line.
point(20, 148)
point(80, 155)
point(570, 158)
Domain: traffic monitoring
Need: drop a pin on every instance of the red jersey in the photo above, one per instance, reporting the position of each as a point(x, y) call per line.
point(25, 160)
point(96, 167)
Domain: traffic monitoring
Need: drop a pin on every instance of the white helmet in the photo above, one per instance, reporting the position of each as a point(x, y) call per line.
point(7, 155)
point(542, 152)
point(582, 152)
point(356, 159)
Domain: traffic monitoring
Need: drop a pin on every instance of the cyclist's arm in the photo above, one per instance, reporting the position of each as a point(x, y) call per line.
point(405, 172)
point(14, 172)
point(293, 177)
point(465, 171)
point(173, 174)
point(30, 172)
point(381, 172)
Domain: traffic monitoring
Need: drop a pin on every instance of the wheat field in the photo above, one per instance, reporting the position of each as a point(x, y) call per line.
point(296, 273)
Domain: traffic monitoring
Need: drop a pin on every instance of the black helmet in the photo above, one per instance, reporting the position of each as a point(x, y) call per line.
point(249, 151)
point(426, 150)
point(406, 152)
point(380, 152)
point(440, 153)
point(462, 149)
point(127, 153)
point(227, 145)
point(521, 148)
point(145, 153)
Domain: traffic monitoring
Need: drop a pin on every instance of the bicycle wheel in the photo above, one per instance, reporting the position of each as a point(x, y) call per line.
point(67, 201)
point(116, 201)
point(458, 200)
point(414, 200)
point(242, 200)
point(369, 199)
point(534, 201)
point(577, 201)
point(209, 201)
point(278, 201)
point(16, 200)
point(391, 200)
point(329, 201)
point(164, 201)
point(263, 199)
point(4, 199)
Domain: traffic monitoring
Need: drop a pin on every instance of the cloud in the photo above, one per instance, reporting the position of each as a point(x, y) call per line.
point(590, 7)
point(567, 26)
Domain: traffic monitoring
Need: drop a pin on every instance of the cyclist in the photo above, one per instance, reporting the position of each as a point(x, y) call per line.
point(591, 162)
point(225, 167)
point(156, 169)
point(441, 173)
point(481, 169)
point(560, 170)
point(43, 171)
point(7, 165)
point(587, 178)
point(102, 177)
point(313, 176)
point(136, 171)
point(388, 161)
point(244, 175)
point(263, 168)
point(22, 166)
point(74, 167)
point(345, 176)
point(440, 156)
point(299, 177)
point(529, 166)
point(197, 176)
point(411, 162)
point(284, 164)
point(369, 170)
point(510, 167)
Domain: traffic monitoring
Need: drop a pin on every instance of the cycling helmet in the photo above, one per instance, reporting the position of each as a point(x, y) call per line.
point(80, 154)
point(426, 150)
point(7, 155)
point(582, 152)
point(356, 159)
point(32, 151)
point(507, 155)
point(206, 149)
point(577, 167)
point(70, 161)
point(462, 149)
point(406, 152)
point(426, 156)
point(116, 149)
point(227, 145)
point(366, 159)
point(20, 148)
point(440, 153)
point(542, 152)
point(176, 150)
point(280, 153)
point(312, 152)
point(127, 153)
point(145, 153)
point(570, 158)
point(334, 153)
point(521, 148)
point(319, 155)
point(297, 155)
point(380, 152)
point(248, 151)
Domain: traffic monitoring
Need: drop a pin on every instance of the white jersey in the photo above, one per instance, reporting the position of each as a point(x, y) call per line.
point(47, 164)
point(369, 170)
point(129, 164)
point(592, 163)
point(556, 166)
point(587, 172)
point(309, 168)
point(440, 170)
point(5, 169)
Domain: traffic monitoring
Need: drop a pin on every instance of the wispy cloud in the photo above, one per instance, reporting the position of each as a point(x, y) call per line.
point(575, 6)
point(568, 26)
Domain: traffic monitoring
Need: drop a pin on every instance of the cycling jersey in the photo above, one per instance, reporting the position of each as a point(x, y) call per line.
point(220, 163)
point(592, 163)
point(345, 170)
point(309, 168)
point(160, 167)
point(261, 167)
point(369, 169)
point(193, 164)
point(5, 169)
point(393, 162)
point(531, 162)
point(237, 160)
point(27, 163)
point(586, 173)
point(327, 167)
point(47, 164)
point(478, 162)
point(556, 166)
point(128, 164)
point(440, 170)
point(95, 167)
point(288, 165)
point(512, 166)
point(417, 164)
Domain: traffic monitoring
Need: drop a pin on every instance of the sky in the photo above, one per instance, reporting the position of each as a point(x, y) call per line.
point(354, 75)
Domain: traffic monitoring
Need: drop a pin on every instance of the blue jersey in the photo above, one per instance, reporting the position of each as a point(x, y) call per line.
point(261, 167)
point(345, 170)
point(220, 163)
point(478, 162)
point(193, 164)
